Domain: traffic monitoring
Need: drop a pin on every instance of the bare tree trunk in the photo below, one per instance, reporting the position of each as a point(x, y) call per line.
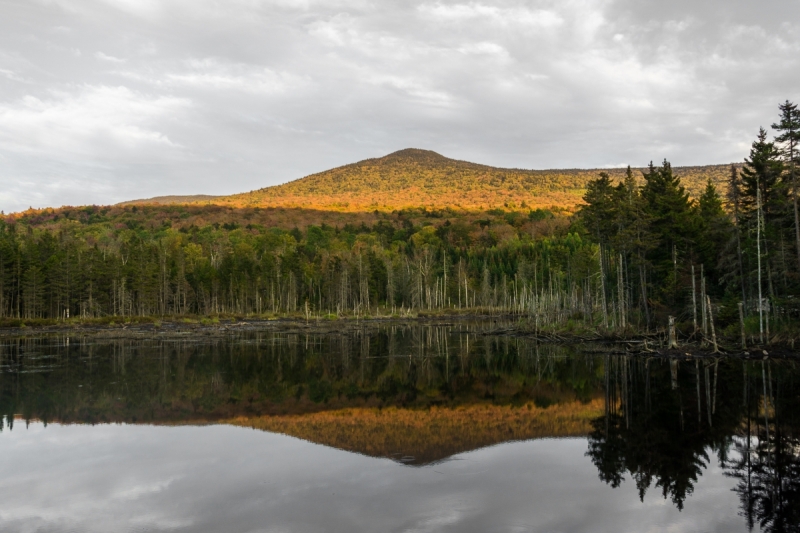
point(703, 303)
point(758, 252)
point(621, 294)
point(603, 288)
point(673, 337)
point(794, 202)
point(711, 322)
point(643, 281)
point(694, 301)
point(741, 323)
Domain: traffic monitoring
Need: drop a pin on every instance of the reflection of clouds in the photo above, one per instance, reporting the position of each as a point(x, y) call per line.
point(220, 478)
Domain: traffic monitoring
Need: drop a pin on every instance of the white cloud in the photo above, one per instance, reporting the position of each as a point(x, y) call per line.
point(11, 75)
point(417, 89)
point(87, 122)
point(484, 48)
point(541, 18)
point(212, 74)
point(105, 57)
point(263, 91)
point(143, 8)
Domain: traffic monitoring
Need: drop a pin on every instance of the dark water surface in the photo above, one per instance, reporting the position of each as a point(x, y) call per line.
point(406, 428)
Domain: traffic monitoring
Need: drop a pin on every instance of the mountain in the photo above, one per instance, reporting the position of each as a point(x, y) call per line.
point(169, 200)
point(424, 436)
point(421, 178)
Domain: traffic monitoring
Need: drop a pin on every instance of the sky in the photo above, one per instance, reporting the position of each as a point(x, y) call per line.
point(103, 101)
point(116, 477)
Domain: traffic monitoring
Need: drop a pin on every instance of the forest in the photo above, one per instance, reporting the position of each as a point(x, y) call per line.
point(412, 178)
point(636, 251)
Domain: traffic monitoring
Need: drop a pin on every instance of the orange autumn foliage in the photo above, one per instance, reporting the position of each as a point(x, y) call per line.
point(432, 434)
point(420, 178)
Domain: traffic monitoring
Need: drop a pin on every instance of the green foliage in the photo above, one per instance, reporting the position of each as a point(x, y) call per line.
point(654, 238)
point(629, 254)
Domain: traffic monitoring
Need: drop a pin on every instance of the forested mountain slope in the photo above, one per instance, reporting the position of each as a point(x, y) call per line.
point(169, 200)
point(422, 178)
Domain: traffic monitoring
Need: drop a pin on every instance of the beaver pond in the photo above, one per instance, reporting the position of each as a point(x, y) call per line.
point(385, 427)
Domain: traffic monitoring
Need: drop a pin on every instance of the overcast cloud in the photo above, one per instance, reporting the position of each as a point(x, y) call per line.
point(107, 100)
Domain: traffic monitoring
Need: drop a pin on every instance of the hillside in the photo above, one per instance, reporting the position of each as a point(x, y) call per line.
point(170, 200)
point(419, 437)
point(422, 178)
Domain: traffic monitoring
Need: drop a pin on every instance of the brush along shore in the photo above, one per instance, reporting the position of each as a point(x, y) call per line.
point(629, 341)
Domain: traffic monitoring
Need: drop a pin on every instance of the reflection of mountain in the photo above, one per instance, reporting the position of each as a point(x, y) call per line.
point(434, 391)
point(256, 374)
point(423, 436)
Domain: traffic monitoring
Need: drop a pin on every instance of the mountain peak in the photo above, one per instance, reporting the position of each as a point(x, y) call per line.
point(413, 177)
point(414, 154)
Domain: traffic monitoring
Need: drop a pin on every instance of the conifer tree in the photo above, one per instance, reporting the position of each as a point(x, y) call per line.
point(714, 225)
point(789, 138)
point(762, 170)
point(674, 224)
point(734, 206)
point(598, 213)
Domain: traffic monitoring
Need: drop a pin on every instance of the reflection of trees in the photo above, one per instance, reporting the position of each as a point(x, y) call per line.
point(263, 373)
point(657, 433)
point(661, 420)
point(767, 453)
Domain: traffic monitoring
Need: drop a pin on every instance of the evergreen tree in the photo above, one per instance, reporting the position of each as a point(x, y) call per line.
point(732, 267)
point(763, 199)
point(715, 225)
point(633, 237)
point(674, 224)
point(789, 138)
point(762, 170)
point(599, 212)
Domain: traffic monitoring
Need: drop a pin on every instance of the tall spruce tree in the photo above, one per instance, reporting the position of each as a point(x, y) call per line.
point(599, 212)
point(762, 200)
point(674, 224)
point(762, 171)
point(715, 225)
point(734, 243)
point(789, 139)
point(633, 238)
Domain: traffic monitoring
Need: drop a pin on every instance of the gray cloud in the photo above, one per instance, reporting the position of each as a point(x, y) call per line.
point(106, 100)
point(219, 478)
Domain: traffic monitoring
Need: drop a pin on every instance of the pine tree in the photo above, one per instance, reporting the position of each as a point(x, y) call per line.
point(715, 226)
point(762, 170)
point(599, 212)
point(633, 237)
point(762, 199)
point(674, 224)
point(734, 207)
point(789, 138)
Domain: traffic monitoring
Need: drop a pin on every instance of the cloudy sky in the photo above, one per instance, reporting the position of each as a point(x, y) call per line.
point(107, 100)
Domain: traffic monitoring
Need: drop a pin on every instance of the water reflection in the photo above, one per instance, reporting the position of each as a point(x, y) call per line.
point(664, 419)
point(420, 395)
point(498, 383)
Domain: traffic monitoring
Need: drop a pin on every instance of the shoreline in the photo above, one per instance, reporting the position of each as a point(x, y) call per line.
point(628, 343)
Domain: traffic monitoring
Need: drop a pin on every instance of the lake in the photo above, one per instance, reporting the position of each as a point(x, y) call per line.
point(389, 427)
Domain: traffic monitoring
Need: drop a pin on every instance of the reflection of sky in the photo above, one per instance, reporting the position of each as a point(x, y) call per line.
point(220, 478)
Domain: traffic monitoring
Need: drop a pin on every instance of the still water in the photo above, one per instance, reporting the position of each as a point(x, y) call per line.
point(390, 428)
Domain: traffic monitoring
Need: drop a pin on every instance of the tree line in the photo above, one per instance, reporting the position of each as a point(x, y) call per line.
point(661, 250)
point(92, 270)
point(635, 253)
